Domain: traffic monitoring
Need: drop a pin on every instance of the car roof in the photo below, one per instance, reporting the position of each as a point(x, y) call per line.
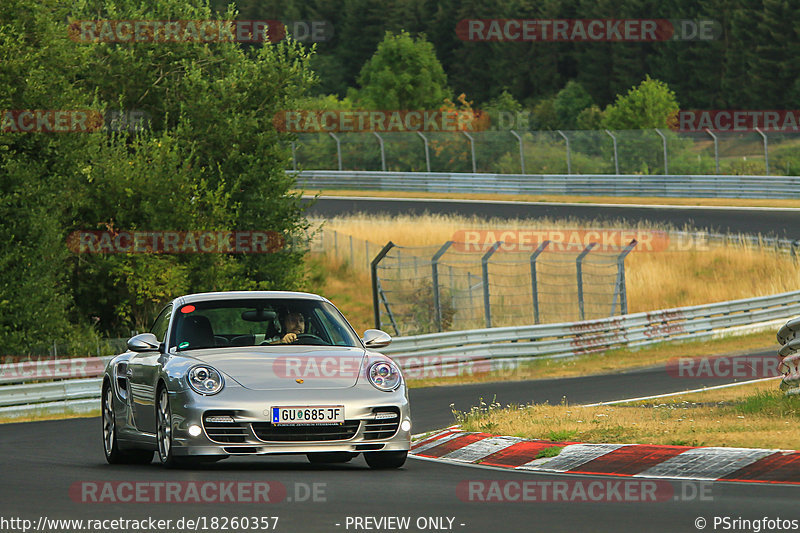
point(245, 295)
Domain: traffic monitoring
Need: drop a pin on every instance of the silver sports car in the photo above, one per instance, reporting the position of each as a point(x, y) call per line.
point(251, 373)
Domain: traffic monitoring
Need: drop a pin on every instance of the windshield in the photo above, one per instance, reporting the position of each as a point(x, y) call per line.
point(260, 322)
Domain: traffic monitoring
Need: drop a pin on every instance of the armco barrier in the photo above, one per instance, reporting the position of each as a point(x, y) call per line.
point(695, 186)
point(497, 348)
point(790, 356)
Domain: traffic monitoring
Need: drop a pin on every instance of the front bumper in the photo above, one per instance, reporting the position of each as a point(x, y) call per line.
point(248, 407)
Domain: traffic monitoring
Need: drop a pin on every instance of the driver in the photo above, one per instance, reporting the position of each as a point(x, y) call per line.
point(293, 324)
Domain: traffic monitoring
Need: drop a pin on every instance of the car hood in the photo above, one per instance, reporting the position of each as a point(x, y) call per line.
point(282, 368)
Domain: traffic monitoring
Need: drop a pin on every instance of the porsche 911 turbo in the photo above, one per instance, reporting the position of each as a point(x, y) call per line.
point(254, 373)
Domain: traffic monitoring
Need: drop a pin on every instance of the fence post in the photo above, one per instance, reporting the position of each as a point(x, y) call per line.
point(335, 244)
point(579, 268)
point(485, 273)
point(437, 308)
point(616, 159)
point(569, 154)
point(716, 148)
point(352, 257)
point(619, 286)
point(469, 287)
point(521, 152)
point(472, 150)
point(766, 151)
point(534, 284)
point(664, 142)
point(383, 153)
point(452, 287)
point(427, 151)
point(338, 148)
point(374, 274)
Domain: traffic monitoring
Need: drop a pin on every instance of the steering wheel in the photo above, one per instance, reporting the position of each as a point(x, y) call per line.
point(306, 337)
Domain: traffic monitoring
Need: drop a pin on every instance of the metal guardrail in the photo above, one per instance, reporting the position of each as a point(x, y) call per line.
point(789, 338)
point(54, 391)
point(497, 348)
point(696, 186)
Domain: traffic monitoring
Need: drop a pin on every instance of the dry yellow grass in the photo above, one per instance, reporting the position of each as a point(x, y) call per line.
point(38, 417)
point(552, 198)
point(655, 280)
point(756, 416)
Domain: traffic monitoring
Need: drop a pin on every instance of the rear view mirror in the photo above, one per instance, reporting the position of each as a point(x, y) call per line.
point(259, 315)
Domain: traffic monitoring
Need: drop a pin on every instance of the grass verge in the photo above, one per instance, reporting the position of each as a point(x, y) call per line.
point(749, 416)
point(554, 198)
point(609, 361)
point(37, 417)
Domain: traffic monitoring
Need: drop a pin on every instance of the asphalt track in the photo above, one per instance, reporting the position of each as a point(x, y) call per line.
point(43, 460)
point(784, 223)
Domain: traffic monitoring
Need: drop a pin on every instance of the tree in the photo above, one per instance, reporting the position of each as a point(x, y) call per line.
point(649, 105)
point(211, 160)
point(569, 103)
point(403, 74)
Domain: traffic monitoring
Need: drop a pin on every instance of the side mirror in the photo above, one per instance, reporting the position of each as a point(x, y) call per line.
point(143, 342)
point(375, 338)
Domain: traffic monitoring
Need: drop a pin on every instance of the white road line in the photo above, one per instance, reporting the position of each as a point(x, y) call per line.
point(715, 387)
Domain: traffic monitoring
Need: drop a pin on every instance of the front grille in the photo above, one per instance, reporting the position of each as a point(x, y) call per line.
point(382, 428)
point(225, 432)
point(267, 432)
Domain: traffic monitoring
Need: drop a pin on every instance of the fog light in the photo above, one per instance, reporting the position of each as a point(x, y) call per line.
point(406, 425)
point(195, 431)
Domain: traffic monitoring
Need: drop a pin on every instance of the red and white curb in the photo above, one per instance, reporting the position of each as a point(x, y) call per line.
point(632, 460)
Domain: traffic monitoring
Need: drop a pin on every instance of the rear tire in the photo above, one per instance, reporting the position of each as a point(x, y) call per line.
point(319, 458)
point(113, 454)
point(385, 460)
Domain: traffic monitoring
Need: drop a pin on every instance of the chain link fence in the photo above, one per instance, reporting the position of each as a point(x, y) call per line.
point(655, 151)
point(455, 286)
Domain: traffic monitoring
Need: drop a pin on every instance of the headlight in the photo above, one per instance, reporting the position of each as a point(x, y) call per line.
point(384, 376)
point(205, 380)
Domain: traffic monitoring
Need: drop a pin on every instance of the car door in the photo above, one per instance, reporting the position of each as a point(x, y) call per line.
point(143, 370)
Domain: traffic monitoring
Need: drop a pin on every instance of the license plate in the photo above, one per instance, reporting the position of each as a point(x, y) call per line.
point(308, 415)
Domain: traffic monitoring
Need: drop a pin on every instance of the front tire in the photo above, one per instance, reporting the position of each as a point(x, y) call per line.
point(385, 460)
point(113, 454)
point(164, 429)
